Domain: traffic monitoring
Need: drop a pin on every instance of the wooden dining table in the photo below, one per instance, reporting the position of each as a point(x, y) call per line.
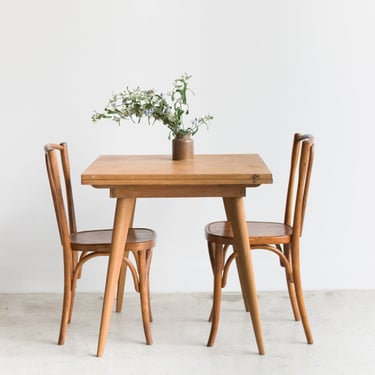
point(227, 176)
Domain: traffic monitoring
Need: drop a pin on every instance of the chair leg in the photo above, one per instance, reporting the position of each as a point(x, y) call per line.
point(77, 273)
point(211, 253)
point(64, 317)
point(299, 295)
point(293, 299)
point(144, 294)
point(72, 296)
point(218, 271)
point(226, 263)
point(148, 264)
point(289, 280)
point(121, 285)
point(67, 299)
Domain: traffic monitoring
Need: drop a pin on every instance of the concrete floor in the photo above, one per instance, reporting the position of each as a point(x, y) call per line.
point(343, 323)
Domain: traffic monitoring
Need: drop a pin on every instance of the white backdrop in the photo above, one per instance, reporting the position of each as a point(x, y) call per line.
point(264, 69)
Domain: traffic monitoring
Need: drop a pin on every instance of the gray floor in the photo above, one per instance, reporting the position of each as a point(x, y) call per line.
point(343, 323)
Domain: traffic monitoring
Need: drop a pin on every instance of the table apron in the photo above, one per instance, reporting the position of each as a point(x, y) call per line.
point(177, 191)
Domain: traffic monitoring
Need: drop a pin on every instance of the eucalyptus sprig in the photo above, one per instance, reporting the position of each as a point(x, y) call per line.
point(169, 109)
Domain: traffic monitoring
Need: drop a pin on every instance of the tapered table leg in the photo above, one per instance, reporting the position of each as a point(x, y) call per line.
point(123, 217)
point(235, 212)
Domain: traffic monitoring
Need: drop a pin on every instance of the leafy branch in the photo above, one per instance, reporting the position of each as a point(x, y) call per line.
point(169, 109)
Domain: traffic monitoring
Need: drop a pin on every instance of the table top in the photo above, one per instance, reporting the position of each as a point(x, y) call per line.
point(210, 169)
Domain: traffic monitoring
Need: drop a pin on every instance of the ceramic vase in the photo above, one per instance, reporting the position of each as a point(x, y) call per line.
point(183, 148)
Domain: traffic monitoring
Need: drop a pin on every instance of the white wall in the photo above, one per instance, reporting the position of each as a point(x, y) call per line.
point(264, 69)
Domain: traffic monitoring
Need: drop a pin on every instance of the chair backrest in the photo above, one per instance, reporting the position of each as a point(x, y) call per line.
point(58, 169)
point(299, 181)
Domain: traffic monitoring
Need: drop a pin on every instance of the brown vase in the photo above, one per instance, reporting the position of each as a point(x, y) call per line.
point(183, 148)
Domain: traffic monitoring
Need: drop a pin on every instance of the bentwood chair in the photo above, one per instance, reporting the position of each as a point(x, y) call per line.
point(81, 246)
point(282, 239)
